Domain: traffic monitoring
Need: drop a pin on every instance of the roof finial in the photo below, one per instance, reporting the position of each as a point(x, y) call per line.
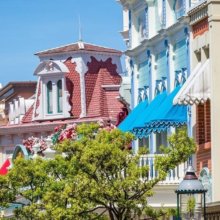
point(80, 30)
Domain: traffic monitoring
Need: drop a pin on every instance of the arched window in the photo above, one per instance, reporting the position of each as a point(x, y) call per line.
point(59, 96)
point(49, 98)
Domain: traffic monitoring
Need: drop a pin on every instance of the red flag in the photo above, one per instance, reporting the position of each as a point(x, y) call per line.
point(4, 168)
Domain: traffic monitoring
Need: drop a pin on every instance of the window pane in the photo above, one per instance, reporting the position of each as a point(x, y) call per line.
point(161, 140)
point(49, 98)
point(144, 144)
point(59, 96)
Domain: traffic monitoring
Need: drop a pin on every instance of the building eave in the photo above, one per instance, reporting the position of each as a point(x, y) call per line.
point(14, 84)
point(79, 50)
point(79, 53)
point(44, 126)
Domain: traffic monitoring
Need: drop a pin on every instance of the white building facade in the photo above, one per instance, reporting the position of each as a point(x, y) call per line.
point(157, 35)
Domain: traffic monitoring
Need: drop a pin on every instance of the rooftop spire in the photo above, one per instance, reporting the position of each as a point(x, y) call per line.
point(80, 30)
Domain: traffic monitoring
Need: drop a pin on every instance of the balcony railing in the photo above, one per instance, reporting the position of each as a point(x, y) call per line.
point(174, 177)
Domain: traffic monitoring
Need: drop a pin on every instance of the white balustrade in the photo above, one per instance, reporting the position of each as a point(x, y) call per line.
point(174, 176)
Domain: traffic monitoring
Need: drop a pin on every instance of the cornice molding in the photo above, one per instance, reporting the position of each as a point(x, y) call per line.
point(199, 13)
point(65, 55)
point(36, 127)
point(197, 8)
point(83, 57)
point(111, 87)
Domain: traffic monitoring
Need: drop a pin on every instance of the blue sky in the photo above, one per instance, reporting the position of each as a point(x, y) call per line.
point(29, 26)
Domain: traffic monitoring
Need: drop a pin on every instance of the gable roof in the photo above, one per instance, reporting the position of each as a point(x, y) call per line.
point(78, 46)
point(7, 91)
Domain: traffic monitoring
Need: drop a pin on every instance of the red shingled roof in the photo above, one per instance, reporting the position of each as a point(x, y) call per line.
point(77, 47)
point(28, 115)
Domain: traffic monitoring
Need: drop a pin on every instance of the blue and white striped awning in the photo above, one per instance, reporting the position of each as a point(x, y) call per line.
point(128, 123)
point(162, 117)
point(197, 88)
point(158, 116)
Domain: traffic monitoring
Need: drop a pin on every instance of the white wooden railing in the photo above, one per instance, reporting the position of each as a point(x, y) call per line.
point(174, 177)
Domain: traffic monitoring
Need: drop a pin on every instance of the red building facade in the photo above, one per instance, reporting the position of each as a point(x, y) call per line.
point(76, 83)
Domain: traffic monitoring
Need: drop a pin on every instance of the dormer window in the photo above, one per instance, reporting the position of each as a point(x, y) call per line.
point(52, 88)
point(49, 97)
point(59, 97)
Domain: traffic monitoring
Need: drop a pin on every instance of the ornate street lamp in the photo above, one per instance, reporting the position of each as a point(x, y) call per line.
point(191, 197)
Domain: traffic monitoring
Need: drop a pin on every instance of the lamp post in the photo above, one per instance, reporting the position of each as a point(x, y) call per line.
point(191, 197)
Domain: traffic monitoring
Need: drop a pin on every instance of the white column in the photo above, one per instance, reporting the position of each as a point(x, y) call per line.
point(172, 72)
point(135, 95)
point(125, 19)
point(16, 111)
point(151, 15)
point(43, 105)
point(151, 94)
point(83, 95)
point(134, 31)
point(214, 31)
point(21, 105)
point(82, 70)
point(11, 113)
point(170, 15)
point(54, 96)
point(153, 77)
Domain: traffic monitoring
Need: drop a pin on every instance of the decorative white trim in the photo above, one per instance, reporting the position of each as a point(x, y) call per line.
point(18, 108)
point(51, 71)
point(51, 67)
point(86, 57)
point(66, 95)
point(111, 87)
point(81, 66)
point(81, 45)
point(81, 58)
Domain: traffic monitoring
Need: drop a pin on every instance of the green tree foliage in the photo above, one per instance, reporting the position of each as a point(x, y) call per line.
point(191, 205)
point(96, 177)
